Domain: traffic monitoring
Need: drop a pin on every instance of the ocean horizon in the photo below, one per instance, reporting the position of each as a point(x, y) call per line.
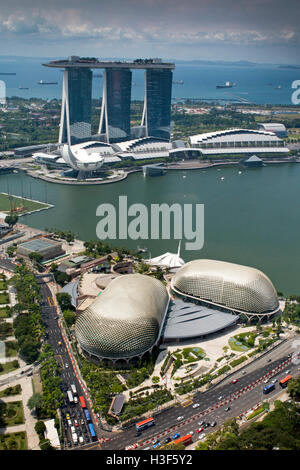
point(255, 83)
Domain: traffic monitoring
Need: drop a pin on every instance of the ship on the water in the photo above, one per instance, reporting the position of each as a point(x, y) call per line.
point(178, 82)
point(226, 85)
point(8, 73)
point(41, 82)
point(23, 88)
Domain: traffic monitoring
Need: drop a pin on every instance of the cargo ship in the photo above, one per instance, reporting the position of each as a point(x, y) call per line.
point(226, 85)
point(41, 82)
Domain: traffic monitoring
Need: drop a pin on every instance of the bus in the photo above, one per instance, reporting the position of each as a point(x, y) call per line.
point(146, 423)
point(92, 431)
point(82, 402)
point(283, 383)
point(268, 388)
point(185, 440)
point(87, 415)
point(73, 389)
point(70, 397)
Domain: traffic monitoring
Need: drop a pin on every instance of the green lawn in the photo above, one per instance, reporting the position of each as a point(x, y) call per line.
point(8, 367)
point(13, 441)
point(9, 391)
point(11, 348)
point(3, 285)
point(6, 202)
point(4, 313)
point(4, 298)
point(11, 414)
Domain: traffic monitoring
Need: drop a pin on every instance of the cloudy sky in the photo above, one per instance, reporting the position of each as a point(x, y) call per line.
point(255, 30)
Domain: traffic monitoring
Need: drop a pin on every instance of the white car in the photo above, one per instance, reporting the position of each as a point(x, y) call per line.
point(201, 436)
point(266, 381)
point(191, 433)
point(195, 405)
point(274, 381)
point(179, 418)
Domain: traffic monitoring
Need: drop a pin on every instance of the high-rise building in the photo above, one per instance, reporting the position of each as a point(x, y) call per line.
point(157, 104)
point(114, 125)
point(76, 112)
point(116, 98)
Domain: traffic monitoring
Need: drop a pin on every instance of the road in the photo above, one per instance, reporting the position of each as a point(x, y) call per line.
point(241, 396)
point(55, 338)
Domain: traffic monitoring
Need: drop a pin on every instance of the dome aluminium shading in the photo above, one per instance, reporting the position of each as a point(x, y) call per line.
point(125, 320)
point(238, 288)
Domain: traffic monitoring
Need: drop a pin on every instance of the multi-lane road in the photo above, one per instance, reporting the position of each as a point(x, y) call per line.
point(55, 338)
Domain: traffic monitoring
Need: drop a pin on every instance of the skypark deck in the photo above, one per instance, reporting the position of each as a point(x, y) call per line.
point(96, 64)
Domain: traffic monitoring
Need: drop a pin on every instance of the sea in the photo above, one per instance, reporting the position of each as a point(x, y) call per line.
point(255, 83)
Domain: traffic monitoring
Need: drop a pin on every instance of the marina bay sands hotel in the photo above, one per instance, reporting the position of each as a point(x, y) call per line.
point(114, 119)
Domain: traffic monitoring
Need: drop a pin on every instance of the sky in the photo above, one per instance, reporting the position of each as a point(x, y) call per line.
point(264, 31)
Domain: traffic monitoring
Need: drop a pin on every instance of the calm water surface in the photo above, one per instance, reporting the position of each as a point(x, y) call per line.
point(251, 218)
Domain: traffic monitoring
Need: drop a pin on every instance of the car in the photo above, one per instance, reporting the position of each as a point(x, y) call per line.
point(176, 436)
point(75, 422)
point(201, 436)
point(87, 439)
point(201, 423)
point(156, 445)
point(179, 418)
point(66, 365)
point(195, 405)
point(199, 430)
point(206, 425)
point(81, 440)
point(287, 371)
point(227, 408)
point(220, 398)
point(69, 422)
point(191, 433)
point(155, 441)
point(244, 372)
point(68, 415)
point(147, 448)
point(82, 421)
point(168, 439)
point(269, 360)
point(234, 381)
point(266, 381)
point(274, 381)
point(213, 424)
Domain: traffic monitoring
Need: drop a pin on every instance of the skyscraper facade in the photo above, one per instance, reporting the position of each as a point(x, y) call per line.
point(116, 98)
point(157, 106)
point(76, 111)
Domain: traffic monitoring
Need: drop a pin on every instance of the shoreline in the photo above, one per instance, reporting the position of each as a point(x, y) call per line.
point(186, 165)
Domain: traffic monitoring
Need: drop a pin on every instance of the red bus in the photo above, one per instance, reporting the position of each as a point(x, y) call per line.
point(283, 383)
point(185, 440)
point(146, 423)
point(82, 402)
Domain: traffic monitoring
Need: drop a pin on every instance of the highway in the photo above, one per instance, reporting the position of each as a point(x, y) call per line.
point(241, 396)
point(55, 339)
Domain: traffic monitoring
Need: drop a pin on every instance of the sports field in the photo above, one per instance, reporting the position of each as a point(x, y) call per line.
point(8, 202)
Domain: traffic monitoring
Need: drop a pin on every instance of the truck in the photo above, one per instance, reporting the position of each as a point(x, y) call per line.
point(70, 397)
point(75, 438)
point(73, 389)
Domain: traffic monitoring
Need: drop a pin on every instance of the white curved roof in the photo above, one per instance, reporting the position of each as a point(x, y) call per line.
point(168, 260)
point(236, 287)
point(79, 159)
point(233, 135)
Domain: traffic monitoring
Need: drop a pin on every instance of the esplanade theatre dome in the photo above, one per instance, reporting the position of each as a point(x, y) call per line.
point(125, 320)
point(241, 289)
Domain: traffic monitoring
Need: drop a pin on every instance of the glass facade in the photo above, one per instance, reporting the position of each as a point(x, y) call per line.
point(118, 98)
point(79, 85)
point(158, 102)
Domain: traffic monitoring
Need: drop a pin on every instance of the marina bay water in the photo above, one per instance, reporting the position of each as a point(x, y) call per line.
point(251, 215)
point(258, 84)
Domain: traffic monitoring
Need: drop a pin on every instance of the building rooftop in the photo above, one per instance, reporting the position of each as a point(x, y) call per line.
point(94, 63)
point(40, 244)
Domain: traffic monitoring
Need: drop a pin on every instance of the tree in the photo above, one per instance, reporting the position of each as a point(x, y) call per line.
point(69, 317)
point(11, 219)
point(35, 402)
point(37, 257)
point(294, 387)
point(40, 427)
point(64, 300)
